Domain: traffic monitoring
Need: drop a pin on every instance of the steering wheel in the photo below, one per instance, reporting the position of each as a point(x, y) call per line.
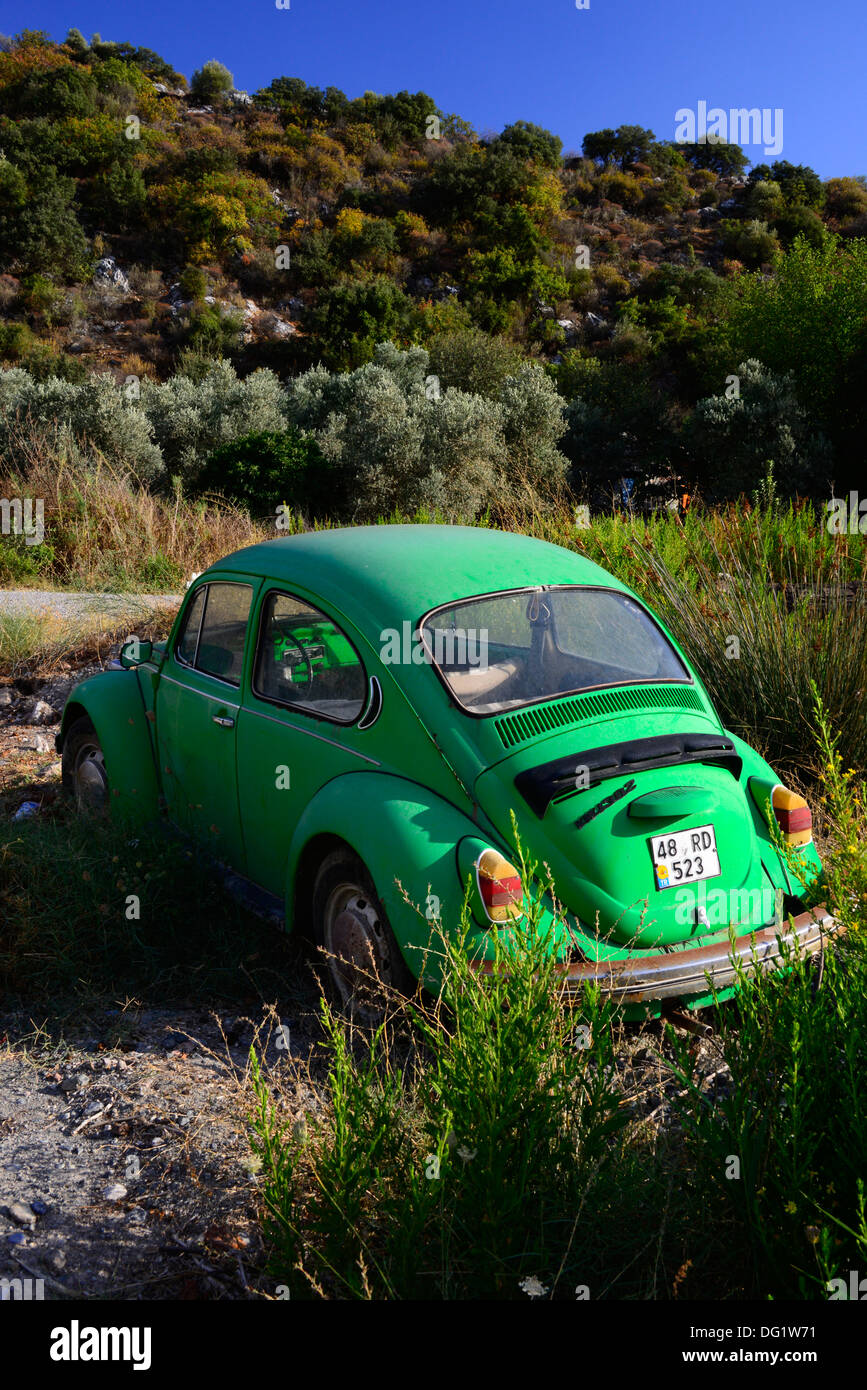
point(286, 638)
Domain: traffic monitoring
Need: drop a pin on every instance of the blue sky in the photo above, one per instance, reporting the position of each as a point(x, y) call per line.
point(496, 61)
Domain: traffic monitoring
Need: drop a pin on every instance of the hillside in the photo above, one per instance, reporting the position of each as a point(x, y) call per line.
point(148, 227)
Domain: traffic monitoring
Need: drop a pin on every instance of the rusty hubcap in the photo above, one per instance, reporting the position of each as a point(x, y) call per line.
point(356, 949)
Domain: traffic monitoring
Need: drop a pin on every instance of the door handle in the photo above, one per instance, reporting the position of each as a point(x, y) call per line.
point(224, 721)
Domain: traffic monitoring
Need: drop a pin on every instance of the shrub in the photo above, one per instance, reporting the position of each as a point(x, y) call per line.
point(93, 413)
point(846, 198)
point(473, 361)
point(263, 470)
point(799, 183)
point(400, 446)
point(765, 200)
point(750, 242)
point(533, 142)
point(349, 320)
point(210, 83)
point(191, 418)
point(624, 189)
point(39, 230)
point(801, 221)
point(730, 439)
point(193, 282)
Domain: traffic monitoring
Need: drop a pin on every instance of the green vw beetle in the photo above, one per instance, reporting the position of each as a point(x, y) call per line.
point(348, 720)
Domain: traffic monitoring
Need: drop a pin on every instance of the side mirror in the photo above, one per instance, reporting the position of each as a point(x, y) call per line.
point(134, 651)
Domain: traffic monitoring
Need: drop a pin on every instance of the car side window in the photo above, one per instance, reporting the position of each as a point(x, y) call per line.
point(213, 640)
point(189, 638)
point(305, 660)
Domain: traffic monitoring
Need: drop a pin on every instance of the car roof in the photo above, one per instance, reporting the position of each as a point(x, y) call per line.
point(387, 574)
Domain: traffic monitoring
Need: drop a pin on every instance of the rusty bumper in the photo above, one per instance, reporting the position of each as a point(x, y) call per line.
point(678, 974)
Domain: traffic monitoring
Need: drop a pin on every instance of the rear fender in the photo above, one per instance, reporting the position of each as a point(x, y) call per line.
point(407, 837)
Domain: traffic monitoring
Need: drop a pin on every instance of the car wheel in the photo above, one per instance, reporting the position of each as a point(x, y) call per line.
point(83, 767)
point(362, 958)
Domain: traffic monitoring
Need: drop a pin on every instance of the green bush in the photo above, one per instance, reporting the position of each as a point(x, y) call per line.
point(750, 242)
point(473, 361)
point(193, 282)
point(192, 416)
point(731, 438)
point(406, 442)
point(210, 83)
point(262, 471)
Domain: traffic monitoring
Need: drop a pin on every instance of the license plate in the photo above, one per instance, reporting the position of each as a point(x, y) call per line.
point(684, 857)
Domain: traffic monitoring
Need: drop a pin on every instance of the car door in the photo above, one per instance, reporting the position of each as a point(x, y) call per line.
point(305, 693)
point(196, 710)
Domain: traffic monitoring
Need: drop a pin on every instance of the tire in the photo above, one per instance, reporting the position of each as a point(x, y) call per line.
point(83, 771)
point(363, 962)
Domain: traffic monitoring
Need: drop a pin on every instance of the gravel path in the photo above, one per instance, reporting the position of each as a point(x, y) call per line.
point(63, 604)
point(125, 1170)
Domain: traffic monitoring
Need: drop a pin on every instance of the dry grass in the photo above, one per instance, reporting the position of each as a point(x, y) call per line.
point(43, 646)
point(105, 531)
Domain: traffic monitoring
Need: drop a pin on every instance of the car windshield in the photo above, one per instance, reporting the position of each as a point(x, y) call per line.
point(512, 649)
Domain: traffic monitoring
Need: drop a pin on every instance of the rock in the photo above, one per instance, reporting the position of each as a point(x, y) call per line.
point(41, 713)
point(23, 1215)
point(275, 327)
point(73, 1083)
point(38, 1206)
point(109, 275)
point(6, 697)
point(38, 743)
point(115, 1192)
point(595, 321)
point(240, 98)
point(16, 1238)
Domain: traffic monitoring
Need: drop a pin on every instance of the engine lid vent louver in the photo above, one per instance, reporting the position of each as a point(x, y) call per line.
point(542, 719)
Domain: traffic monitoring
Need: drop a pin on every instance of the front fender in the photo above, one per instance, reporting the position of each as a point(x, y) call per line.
point(114, 705)
point(407, 836)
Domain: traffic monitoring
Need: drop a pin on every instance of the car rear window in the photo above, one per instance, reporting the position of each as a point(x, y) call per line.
point(506, 650)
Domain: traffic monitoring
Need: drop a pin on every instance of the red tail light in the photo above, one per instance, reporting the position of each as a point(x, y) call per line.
point(500, 887)
point(793, 816)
